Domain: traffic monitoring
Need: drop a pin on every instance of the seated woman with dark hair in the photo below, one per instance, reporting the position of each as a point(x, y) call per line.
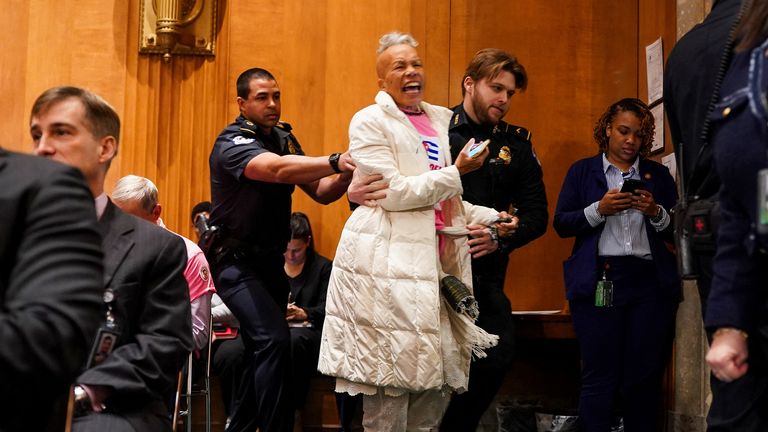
point(308, 274)
point(621, 279)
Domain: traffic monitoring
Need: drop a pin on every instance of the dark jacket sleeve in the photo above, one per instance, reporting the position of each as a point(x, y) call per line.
point(148, 362)
point(734, 299)
point(665, 195)
point(569, 220)
point(51, 278)
point(531, 198)
point(321, 274)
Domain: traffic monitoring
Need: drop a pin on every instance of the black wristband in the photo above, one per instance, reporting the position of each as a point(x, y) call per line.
point(333, 159)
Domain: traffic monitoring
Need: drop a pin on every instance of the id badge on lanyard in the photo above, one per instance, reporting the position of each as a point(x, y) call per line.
point(604, 291)
point(107, 336)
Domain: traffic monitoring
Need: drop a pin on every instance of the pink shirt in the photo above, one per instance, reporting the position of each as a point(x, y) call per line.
point(437, 160)
point(201, 289)
point(197, 273)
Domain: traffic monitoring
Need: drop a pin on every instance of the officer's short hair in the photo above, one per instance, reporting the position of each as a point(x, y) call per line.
point(489, 62)
point(395, 38)
point(245, 78)
point(99, 115)
point(133, 188)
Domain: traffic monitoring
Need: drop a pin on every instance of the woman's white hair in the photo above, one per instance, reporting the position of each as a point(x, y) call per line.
point(132, 188)
point(395, 38)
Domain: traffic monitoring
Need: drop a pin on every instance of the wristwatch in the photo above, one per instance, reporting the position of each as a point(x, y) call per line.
point(659, 215)
point(333, 159)
point(82, 401)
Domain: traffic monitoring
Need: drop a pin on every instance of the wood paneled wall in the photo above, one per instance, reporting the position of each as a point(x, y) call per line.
point(580, 56)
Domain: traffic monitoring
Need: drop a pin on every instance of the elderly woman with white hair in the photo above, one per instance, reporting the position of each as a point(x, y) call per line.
point(389, 333)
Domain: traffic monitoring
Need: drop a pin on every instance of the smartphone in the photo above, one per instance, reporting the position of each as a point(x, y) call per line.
point(477, 148)
point(631, 184)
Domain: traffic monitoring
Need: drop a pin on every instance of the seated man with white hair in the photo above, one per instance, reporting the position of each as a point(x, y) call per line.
point(138, 196)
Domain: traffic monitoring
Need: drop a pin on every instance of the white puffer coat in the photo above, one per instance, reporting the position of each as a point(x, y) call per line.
point(383, 310)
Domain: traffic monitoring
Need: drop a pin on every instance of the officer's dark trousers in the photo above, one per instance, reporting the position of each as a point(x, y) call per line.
point(256, 291)
point(624, 348)
point(742, 405)
point(486, 376)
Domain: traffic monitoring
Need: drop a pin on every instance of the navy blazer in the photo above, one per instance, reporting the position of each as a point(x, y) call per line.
point(583, 185)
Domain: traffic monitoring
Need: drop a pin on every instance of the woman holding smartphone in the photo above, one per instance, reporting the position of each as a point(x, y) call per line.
point(621, 279)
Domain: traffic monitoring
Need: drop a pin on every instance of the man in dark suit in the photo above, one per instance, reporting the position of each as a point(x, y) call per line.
point(50, 288)
point(146, 299)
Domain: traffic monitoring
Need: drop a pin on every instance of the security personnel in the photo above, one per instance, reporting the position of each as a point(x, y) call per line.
point(510, 180)
point(737, 308)
point(255, 163)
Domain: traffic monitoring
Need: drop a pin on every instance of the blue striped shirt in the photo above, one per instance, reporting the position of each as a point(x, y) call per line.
point(624, 233)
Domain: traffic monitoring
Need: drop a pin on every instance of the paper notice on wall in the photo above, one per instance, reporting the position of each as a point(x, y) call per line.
point(670, 162)
point(658, 133)
point(654, 63)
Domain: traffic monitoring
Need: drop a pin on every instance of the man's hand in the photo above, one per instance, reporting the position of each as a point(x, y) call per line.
point(613, 202)
point(97, 394)
point(481, 243)
point(728, 355)
point(466, 164)
point(506, 229)
point(346, 164)
point(367, 189)
point(295, 313)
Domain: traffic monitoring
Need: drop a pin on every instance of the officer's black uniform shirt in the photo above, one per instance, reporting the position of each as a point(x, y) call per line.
point(689, 81)
point(510, 176)
point(255, 212)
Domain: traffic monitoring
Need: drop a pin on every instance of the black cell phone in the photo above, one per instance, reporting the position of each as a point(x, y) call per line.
point(631, 184)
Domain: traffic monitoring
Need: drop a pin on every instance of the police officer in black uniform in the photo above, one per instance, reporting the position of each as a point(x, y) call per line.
point(692, 76)
point(255, 163)
point(510, 180)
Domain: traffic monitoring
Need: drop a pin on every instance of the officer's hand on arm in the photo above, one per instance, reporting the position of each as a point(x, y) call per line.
point(346, 164)
point(466, 164)
point(613, 202)
point(481, 241)
point(506, 229)
point(728, 354)
point(367, 189)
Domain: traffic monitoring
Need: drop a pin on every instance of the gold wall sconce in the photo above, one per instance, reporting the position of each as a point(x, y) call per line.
point(177, 27)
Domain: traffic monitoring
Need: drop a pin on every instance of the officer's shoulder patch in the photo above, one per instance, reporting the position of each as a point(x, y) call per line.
point(242, 140)
point(248, 127)
point(284, 126)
